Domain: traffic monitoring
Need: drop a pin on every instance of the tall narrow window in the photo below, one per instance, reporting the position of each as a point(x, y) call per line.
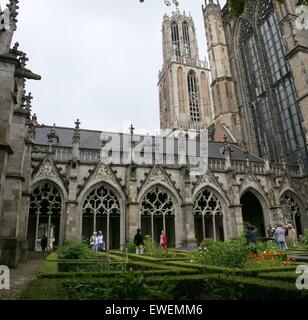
point(193, 96)
point(258, 97)
point(175, 39)
point(187, 49)
point(282, 83)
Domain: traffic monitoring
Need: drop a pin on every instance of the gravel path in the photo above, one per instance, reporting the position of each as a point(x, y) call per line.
point(21, 277)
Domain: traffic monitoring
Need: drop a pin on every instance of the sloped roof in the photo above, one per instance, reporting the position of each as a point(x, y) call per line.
point(90, 139)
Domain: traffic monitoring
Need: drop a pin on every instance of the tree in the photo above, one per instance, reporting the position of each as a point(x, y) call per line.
point(236, 6)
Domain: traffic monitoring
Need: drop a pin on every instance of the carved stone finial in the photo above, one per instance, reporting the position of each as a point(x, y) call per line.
point(52, 136)
point(23, 59)
point(76, 135)
point(13, 7)
point(26, 101)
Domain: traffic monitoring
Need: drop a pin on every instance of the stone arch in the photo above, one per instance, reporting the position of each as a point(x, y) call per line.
point(102, 208)
point(210, 210)
point(255, 209)
point(159, 209)
point(293, 209)
point(47, 214)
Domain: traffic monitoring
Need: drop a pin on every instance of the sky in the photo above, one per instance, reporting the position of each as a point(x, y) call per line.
point(99, 60)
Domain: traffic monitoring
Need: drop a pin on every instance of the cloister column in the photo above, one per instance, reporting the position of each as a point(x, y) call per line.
point(189, 225)
point(133, 218)
point(72, 217)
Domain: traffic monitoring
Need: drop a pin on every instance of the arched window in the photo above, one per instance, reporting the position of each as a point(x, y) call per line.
point(101, 212)
point(208, 216)
point(44, 216)
point(175, 38)
point(193, 96)
point(157, 214)
point(258, 97)
point(186, 39)
point(292, 211)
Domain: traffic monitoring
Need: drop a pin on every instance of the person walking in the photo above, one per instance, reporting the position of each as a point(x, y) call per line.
point(165, 240)
point(138, 241)
point(101, 242)
point(93, 240)
point(291, 238)
point(279, 237)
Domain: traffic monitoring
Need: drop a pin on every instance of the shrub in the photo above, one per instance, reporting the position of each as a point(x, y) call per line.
point(232, 253)
point(75, 250)
point(304, 239)
point(131, 247)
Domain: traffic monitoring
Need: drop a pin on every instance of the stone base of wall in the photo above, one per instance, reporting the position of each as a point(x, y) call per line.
point(9, 252)
point(23, 251)
point(188, 245)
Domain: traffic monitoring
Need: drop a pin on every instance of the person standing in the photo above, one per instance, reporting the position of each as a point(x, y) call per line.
point(270, 231)
point(93, 240)
point(251, 234)
point(279, 237)
point(165, 240)
point(291, 238)
point(138, 241)
point(161, 239)
point(44, 242)
point(101, 242)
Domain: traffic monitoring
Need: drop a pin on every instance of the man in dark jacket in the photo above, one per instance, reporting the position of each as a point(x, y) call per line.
point(251, 234)
point(138, 240)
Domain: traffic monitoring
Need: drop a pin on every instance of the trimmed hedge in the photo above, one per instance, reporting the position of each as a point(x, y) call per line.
point(211, 286)
point(235, 271)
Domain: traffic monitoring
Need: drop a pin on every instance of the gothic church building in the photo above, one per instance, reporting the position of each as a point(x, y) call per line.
point(251, 96)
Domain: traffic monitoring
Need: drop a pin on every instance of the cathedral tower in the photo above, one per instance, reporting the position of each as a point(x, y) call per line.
point(184, 79)
point(226, 114)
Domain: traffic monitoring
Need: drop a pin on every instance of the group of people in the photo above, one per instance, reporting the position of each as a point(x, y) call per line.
point(97, 242)
point(284, 236)
point(139, 241)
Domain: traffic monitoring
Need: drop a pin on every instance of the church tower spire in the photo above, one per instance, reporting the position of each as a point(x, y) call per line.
point(184, 79)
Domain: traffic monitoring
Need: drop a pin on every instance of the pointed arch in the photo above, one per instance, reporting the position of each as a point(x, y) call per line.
point(255, 208)
point(293, 209)
point(158, 211)
point(210, 212)
point(47, 215)
point(102, 209)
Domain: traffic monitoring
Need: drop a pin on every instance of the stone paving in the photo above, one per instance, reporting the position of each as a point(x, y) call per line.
point(22, 276)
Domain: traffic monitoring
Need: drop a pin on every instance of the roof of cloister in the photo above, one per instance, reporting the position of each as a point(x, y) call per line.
point(91, 139)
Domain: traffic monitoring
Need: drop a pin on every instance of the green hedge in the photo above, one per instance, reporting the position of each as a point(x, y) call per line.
point(235, 271)
point(211, 286)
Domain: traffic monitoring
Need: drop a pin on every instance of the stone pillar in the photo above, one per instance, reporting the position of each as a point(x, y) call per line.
point(189, 238)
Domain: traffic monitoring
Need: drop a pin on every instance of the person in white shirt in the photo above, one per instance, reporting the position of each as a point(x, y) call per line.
point(101, 242)
point(279, 236)
point(93, 241)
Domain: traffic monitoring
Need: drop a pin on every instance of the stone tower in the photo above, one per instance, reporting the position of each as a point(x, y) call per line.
point(226, 115)
point(185, 101)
